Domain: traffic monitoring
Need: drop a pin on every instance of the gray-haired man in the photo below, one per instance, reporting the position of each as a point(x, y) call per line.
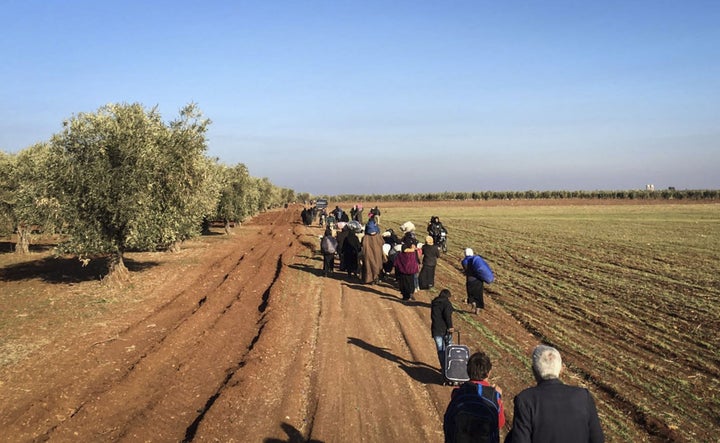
point(553, 411)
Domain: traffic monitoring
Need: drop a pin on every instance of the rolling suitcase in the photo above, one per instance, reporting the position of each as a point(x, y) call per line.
point(456, 359)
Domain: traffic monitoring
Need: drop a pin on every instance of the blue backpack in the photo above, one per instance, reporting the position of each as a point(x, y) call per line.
point(472, 415)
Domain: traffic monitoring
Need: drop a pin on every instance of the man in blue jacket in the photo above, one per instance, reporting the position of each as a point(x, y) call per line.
point(553, 411)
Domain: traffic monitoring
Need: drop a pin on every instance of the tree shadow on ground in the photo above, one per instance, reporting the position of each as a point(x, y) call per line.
point(66, 270)
point(417, 370)
point(7, 247)
point(212, 233)
point(294, 436)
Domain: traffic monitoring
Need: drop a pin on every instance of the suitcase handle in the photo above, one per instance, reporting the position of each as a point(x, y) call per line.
point(458, 335)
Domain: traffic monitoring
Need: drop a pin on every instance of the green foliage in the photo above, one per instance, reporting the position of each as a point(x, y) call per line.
point(242, 196)
point(7, 193)
point(126, 180)
point(23, 191)
point(669, 194)
point(238, 196)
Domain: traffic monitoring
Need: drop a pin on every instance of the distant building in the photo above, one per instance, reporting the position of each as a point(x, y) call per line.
point(650, 187)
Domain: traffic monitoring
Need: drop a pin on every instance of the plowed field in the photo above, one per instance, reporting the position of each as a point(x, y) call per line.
point(240, 338)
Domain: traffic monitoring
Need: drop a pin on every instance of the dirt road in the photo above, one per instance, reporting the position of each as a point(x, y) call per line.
point(246, 343)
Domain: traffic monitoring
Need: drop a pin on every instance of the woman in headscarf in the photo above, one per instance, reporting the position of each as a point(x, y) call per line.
point(406, 266)
point(342, 234)
point(430, 255)
point(351, 250)
point(372, 244)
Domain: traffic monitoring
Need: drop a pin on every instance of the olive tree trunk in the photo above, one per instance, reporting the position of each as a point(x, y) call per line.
point(117, 272)
point(23, 243)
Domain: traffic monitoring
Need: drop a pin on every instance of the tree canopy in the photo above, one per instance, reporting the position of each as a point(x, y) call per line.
point(124, 179)
point(121, 179)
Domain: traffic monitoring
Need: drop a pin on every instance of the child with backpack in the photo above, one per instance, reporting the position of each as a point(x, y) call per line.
point(476, 411)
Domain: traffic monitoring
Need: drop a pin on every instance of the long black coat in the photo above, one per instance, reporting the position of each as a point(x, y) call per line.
point(350, 250)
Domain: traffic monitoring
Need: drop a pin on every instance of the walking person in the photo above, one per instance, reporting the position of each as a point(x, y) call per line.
point(430, 256)
point(409, 229)
point(441, 325)
point(476, 412)
point(351, 252)
point(372, 253)
point(375, 214)
point(357, 216)
point(553, 411)
point(406, 267)
point(477, 272)
point(328, 247)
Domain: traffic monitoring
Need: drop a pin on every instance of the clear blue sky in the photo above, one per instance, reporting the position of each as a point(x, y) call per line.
point(332, 97)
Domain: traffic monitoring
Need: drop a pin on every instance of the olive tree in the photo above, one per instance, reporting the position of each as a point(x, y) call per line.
point(7, 192)
point(24, 199)
point(125, 180)
point(238, 195)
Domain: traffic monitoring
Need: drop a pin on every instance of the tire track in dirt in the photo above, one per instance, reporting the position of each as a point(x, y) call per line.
point(154, 380)
point(274, 382)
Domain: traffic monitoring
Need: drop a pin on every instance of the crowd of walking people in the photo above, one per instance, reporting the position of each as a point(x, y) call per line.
point(548, 412)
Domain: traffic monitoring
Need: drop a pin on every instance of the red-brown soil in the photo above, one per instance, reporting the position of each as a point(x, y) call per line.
point(235, 338)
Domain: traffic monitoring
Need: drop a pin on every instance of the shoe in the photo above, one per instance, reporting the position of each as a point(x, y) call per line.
point(477, 311)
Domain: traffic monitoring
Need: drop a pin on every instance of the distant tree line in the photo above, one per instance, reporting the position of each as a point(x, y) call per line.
point(668, 194)
point(121, 179)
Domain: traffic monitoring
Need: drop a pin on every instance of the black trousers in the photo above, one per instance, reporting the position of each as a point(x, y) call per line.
point(475, 292)
point(328, 263)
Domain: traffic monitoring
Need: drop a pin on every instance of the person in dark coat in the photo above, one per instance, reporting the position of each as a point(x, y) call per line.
point(430, 255)
point(406, 267)
point(351, 252)
point(435, 228)
point(391, 238)
point(441, 325)
point(553, 411)
point(341, 236)
point(375, 214)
